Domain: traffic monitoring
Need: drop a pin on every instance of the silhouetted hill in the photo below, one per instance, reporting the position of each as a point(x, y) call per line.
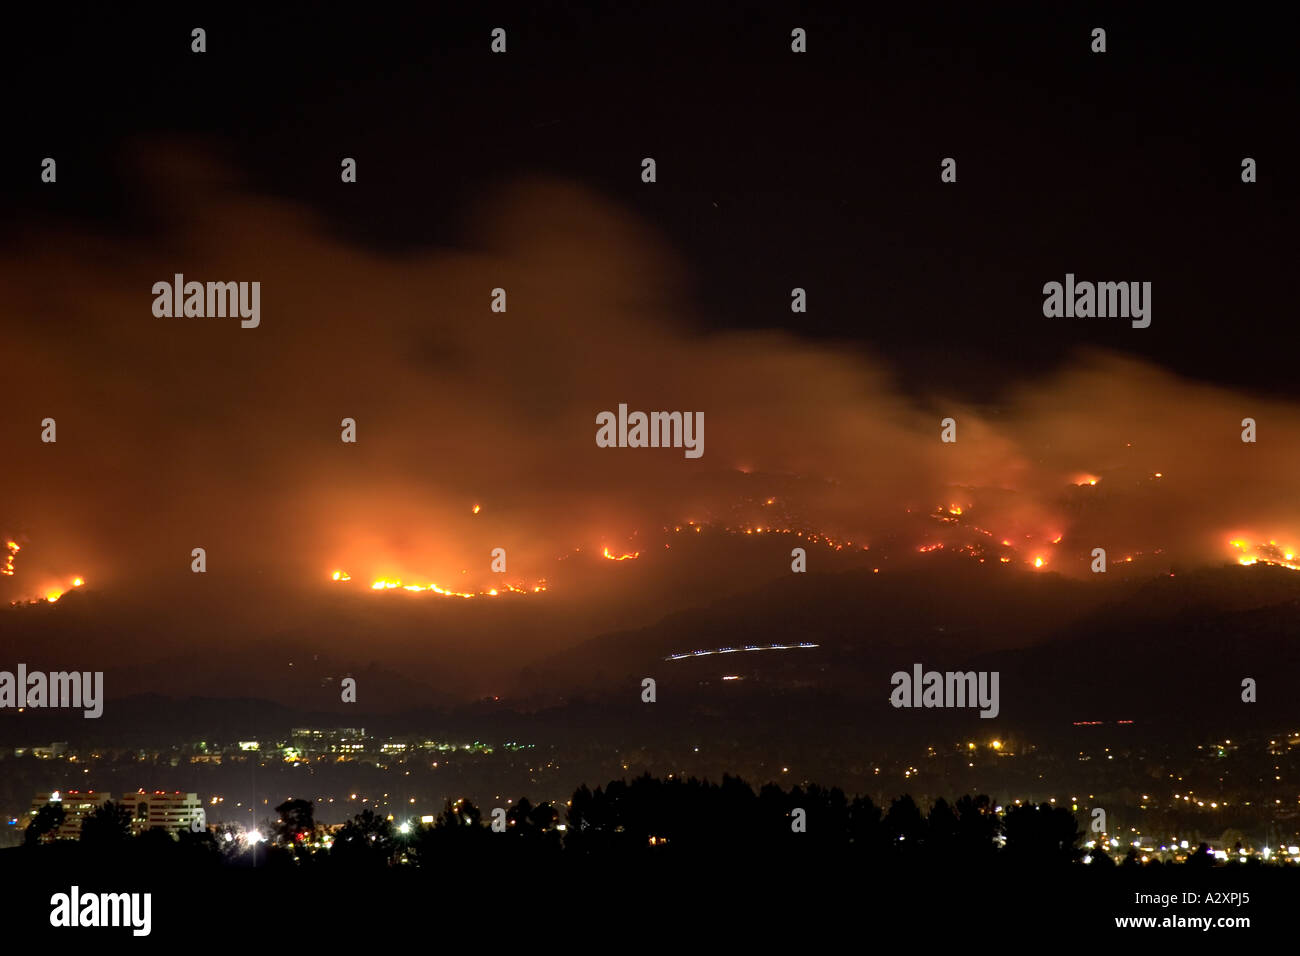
point(1066, 650)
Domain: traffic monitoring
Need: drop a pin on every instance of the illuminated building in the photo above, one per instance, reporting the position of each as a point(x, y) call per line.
point(335, 740)
point(76, 804)
point(171, 810)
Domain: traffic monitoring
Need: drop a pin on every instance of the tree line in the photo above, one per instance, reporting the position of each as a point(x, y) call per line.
point(646, 817)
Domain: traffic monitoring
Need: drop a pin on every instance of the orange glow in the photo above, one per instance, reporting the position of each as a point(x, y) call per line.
point(386, 584)
point(476, 509)
point(812, 537)
point(48, 592)
point(1082, 480)
point(626, 557)
point(1039, 562)
point(53, 593)
point(1283, 556)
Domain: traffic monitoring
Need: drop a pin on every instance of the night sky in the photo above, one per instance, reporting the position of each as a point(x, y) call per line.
point(776, 169)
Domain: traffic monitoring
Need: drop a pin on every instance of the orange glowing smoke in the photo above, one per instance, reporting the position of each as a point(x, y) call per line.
point(957, 515)
point(54, 593)
point(1086, 480)
point(50, 593)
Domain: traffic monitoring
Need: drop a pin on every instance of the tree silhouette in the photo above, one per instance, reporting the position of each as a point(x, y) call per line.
point(543, 818)
point(681, 823)
point(155, 841)
point(1044, 835)
point(942, 828)
point(904, 828)
point(106, 825)
point(978, 826)
point(47, 819)
point(1203, 857)
point(865, 829)
point(297, 822)
point(531, 825)
point(829, 825)
point(365, 840)
point(462, 813)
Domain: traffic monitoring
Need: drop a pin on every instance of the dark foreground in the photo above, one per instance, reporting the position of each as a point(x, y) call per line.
point(659, 898)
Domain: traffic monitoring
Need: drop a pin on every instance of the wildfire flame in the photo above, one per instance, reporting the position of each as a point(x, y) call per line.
point(959, 516)
point(811, 537)
point(621, 557)
point(386, 584)
point(1283, 556)
point(52, 594)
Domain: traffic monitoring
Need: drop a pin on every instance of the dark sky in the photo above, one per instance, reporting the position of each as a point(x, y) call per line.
point(775, 170)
